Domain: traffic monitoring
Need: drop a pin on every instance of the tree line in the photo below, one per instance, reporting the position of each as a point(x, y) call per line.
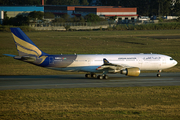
point(147, 7)
point(47, 2)
point(144, 7)
point(23, 20)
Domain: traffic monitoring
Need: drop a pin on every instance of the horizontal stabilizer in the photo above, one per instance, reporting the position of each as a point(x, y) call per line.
point(9, 55)
point(28, 58)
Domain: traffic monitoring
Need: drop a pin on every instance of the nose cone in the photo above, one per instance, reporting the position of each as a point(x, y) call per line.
point(175, 62)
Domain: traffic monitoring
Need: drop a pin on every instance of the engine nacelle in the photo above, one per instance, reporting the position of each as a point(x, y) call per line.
point(131, 71)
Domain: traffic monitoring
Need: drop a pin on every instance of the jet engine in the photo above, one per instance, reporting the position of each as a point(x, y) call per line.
point(131, 71)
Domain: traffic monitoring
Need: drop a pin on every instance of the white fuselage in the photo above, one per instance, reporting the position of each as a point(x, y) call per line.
point(89, 63)
point(127, 64)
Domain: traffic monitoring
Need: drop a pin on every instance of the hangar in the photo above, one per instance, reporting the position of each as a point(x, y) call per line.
point(122, 13)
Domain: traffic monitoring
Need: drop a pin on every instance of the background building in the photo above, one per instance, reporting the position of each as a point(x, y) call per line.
point(122, 13)
point(13, 11)
point(102, 11)
point(1, 17)
point(60, 10)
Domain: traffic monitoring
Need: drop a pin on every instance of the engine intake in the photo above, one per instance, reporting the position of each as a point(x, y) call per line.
point(131, 71)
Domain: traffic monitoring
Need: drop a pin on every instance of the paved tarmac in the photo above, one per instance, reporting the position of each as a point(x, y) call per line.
point(79, 81)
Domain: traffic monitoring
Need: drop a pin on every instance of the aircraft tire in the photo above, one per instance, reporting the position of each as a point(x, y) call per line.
point(93, 75)
point(106, 77)
point(158, 75)
point(100, 77)
point(88, 75)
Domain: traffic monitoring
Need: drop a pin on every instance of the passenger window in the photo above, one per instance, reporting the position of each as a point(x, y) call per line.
point(171, 58)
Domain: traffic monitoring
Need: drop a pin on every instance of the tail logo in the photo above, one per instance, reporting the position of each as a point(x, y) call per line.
point(26, 47)
point(42, 59)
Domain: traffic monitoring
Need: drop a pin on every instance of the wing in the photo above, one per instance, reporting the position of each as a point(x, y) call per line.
point(107, 66)
point(123, 69)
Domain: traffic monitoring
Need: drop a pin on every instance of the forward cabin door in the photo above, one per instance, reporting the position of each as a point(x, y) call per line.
point(163, 61)
point(140, 63)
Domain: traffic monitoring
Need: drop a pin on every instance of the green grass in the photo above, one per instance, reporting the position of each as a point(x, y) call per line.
point(92, 103)
point(88, 42)
point(159, 26)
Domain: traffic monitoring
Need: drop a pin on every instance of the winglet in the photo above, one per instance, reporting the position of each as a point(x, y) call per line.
point(105, 61)
point(105, 65)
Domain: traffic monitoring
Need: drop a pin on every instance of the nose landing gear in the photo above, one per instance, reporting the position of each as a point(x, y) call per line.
point(159, 71)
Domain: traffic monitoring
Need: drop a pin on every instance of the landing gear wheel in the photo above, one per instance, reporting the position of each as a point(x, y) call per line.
point(88, 75)
point(106, 77)
point(158, 75)
point(159, 71)
point(100, 77)
point(93, 75)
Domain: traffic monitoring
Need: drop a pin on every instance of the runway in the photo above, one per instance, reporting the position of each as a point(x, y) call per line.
point(79, 81)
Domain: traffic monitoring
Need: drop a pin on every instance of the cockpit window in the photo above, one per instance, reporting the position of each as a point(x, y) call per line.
point(171, 59)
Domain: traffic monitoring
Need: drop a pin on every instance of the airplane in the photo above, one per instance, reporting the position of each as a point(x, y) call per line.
point(127, 64)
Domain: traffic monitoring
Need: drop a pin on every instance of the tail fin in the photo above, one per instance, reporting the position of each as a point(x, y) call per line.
point(24, 45)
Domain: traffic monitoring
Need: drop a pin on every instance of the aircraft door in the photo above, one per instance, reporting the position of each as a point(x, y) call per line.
point(89, 61)
point(163, 61)
point(140, 61)
point(51, 60)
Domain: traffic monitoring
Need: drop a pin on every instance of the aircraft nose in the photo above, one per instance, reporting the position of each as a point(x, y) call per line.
point(175, 62)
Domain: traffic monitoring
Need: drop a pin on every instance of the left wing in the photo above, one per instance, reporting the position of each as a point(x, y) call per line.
point(110, 67)
point(123, 69)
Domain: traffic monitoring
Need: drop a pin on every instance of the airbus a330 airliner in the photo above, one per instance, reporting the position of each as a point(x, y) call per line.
point(127, 64)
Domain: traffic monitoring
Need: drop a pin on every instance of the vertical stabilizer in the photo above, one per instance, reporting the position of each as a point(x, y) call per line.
point(24, 45)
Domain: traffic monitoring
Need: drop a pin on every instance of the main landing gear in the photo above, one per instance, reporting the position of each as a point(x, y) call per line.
point(93, 75)
point(102, 77)
point(159, 71)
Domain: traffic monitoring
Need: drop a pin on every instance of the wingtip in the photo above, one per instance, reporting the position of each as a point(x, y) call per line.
point(105, 60)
